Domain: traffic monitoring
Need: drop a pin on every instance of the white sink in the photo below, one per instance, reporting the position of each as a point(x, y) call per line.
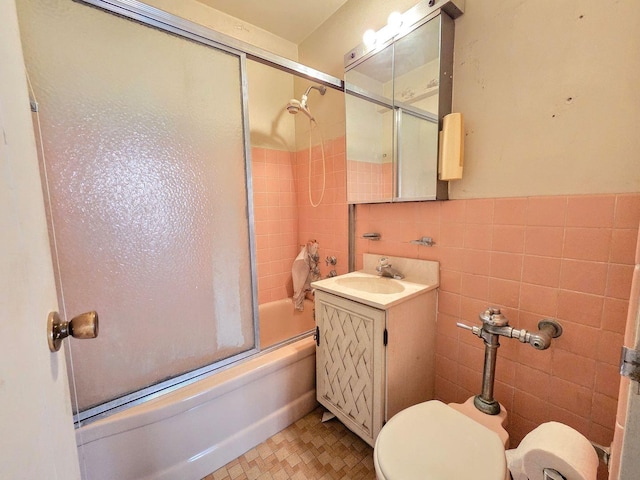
point(373, 290)
point(381, 285)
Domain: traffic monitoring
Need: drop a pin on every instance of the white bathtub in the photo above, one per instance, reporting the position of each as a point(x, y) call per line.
point(195, 430)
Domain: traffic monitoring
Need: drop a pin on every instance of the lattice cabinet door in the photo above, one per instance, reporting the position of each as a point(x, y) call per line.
point(350, 363)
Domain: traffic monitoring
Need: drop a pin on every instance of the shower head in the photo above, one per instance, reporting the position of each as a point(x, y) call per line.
point(294, 106)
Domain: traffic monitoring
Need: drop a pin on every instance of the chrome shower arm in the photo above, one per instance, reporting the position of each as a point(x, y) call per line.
point(321, 88)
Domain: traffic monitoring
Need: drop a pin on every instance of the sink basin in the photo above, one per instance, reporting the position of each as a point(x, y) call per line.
point(371, 284)
point(365, 287)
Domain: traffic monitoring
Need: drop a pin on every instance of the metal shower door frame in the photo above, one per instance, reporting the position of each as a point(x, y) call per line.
point(153, 17)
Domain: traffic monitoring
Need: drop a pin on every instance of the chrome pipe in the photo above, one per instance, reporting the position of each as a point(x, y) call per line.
point(485, 401)
point(494, 324)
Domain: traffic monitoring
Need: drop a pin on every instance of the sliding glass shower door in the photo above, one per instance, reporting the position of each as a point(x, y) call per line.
point(145, 165)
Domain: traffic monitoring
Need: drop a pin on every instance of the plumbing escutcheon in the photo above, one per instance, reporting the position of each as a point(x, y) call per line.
point(547, 329)
point(554, 328)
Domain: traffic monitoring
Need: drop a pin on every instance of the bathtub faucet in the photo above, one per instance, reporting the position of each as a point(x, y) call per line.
point(385, 269)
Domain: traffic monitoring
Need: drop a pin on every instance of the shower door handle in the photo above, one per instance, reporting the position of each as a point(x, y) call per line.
point(81, 326)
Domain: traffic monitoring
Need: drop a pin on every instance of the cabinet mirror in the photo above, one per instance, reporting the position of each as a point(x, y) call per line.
point(396, 96)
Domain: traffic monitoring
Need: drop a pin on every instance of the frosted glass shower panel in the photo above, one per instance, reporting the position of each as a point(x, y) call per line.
point(144, 143)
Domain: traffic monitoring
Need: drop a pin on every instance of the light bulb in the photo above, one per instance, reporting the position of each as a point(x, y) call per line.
point(369, 38)
point(395, 20)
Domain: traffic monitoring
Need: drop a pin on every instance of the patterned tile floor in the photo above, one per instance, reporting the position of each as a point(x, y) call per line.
point(306, 450)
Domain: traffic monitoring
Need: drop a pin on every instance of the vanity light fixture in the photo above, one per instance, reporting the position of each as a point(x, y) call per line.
point(369, 38)
point(394, 21)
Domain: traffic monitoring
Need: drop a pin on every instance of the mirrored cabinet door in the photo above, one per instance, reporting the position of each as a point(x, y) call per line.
point(370, 129)
point(416, 83)
point(417, 159)
point(396, 97)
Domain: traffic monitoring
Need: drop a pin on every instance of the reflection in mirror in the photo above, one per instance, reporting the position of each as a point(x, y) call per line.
point(417, 156)
point(417, 69)
point(416, 85)
point(369, 151)
point(369, 128)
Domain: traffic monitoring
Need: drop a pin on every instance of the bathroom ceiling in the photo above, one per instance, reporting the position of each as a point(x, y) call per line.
point(292, 20)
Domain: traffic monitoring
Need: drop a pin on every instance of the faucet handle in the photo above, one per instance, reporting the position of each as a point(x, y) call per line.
point(383, 262)
point(330, 260)
point(477, 331)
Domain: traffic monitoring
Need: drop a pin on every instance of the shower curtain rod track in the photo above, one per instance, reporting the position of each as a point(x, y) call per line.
point(154, 17)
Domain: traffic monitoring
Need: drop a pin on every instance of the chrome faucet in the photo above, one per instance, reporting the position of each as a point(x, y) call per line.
point(385, 269)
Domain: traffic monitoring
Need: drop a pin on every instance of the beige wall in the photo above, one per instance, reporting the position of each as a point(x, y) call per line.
point(546, 88)
point(228, 25)
point(38, 440)
point(269, 92)
point(269, 89)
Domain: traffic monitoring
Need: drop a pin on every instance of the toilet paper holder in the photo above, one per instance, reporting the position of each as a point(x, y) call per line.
point(551, 474)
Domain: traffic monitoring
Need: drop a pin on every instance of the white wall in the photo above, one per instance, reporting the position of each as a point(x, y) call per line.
point(548, 88)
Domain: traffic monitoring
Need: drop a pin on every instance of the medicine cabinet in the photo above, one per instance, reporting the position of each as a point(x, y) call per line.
point(397, 92)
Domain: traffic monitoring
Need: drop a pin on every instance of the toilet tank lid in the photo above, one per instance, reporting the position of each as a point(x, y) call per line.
point(432, 440)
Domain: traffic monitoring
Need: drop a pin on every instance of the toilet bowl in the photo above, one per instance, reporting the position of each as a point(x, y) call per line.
point(433, 440)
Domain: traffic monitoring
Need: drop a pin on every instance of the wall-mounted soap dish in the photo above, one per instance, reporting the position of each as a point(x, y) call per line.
point(424, 241)
point(371, 236)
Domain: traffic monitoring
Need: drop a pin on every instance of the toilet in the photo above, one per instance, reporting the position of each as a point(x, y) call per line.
point(433, 440)
point(436, 441)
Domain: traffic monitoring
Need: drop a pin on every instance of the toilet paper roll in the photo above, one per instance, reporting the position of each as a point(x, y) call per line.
point(556, 446)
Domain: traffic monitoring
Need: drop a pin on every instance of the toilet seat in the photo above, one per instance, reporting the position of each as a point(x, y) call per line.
point(434, 441)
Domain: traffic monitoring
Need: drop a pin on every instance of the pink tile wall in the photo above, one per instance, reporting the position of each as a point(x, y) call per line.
point(276, 221)
point(328, 222)
point(285, 219)
point(565, 257)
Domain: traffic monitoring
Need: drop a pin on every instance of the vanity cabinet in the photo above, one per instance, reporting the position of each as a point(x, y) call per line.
point(372, 362)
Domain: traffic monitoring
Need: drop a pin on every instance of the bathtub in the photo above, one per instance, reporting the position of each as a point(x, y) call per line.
point(280, 321)
point(190, 432)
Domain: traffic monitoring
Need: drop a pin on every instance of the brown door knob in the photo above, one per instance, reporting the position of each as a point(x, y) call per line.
point(82, 326)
